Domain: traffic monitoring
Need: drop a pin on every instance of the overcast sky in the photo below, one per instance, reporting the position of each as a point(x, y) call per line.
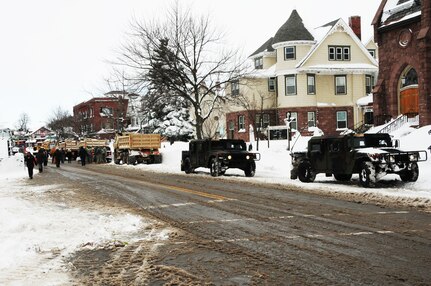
point(56, 52)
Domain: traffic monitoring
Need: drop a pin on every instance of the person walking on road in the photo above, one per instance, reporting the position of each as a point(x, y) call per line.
point(30, 161)
point(40, 158)
point(57, 157)
point(82, 155)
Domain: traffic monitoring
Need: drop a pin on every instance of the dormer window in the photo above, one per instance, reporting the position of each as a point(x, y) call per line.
point(339, 53)
point(372, 52)
point(258, 63)
point(290, 53)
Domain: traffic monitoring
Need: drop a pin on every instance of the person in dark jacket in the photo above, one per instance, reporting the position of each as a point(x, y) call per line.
point(45, 160)
point(40, 158)
point(57, 157)
point(69, 155)
point(82, 155)
point(30, 161)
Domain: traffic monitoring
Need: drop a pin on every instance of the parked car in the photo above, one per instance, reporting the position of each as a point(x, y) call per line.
point(372, 156)
point(218, 156)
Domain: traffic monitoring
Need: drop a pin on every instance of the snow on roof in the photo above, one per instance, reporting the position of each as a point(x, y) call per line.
point(320, 32)
point(366, 100)
point(341, 68)
point(263, 73)
point(394, 6)
point(409, 16)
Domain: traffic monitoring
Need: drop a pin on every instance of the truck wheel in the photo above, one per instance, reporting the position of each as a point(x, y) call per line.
point(343, 177)
point(411, 174)
point(367, 175)
point(215, 167)
point(306, 173)
point(131, 160)
point(250, 171)
point(187, 166)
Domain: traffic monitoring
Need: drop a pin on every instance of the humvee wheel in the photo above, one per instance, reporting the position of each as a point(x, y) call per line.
point(306, 173)
point(343, 177)
point(250, 171)
point(366, 175)
point(411, 174)
point(215, 167)
point(187, 166)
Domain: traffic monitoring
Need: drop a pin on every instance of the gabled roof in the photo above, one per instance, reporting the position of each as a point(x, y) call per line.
point(293, 30)
point(339, 23)
point(266, 47)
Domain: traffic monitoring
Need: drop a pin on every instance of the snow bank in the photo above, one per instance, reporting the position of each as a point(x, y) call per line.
point(36, 235)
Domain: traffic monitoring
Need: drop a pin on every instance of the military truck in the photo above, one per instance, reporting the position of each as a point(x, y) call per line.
point(218, 156)
point(100, 145)
point(372, 156)
point(135, 148)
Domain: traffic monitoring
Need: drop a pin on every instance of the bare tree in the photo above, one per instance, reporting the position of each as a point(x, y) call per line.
point(194, 62)
point(23, 121)
point(61, 122)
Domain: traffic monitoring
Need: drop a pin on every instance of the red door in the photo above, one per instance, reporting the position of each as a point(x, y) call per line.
point(409, 100)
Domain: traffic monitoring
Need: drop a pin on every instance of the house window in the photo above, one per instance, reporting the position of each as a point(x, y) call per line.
point(368, 84)
point(311, 118)
point(235, 87)
point(289, 53)
point(262, 121)
point(340, 84)
point(339, 53)
point(106, 111)
point(258, 63)
point(271, 83)
point(341, 119)
point(293, 118)
point(241, 123)
point(311, 84)
point(372, 52)
point(290, 84)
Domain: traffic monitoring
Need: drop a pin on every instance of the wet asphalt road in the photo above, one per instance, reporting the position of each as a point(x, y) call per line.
point(231, 232)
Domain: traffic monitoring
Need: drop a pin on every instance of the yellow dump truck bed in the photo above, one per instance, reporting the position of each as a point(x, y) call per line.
point(89, 143)
point(138, 141)
point(68, 144)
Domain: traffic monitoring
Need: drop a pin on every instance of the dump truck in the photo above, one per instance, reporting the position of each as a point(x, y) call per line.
point(90, 143)
point(135, 148)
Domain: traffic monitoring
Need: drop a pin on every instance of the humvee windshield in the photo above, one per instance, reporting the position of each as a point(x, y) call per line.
point(372, 141)
point(228, 145)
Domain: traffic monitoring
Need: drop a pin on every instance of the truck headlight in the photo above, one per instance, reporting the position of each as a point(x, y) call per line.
point(229, 157)
point(247, 157)
point(413, 157)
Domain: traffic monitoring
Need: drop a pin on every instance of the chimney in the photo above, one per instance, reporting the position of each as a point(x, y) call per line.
point(355, 24)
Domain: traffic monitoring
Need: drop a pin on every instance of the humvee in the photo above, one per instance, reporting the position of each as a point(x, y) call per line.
point(218, 156)
point(372, 156)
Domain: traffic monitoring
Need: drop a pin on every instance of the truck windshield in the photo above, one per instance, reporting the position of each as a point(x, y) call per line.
point(235, 146)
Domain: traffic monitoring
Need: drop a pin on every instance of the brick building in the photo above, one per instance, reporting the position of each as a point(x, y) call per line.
point(402, 32)
point(100, 115)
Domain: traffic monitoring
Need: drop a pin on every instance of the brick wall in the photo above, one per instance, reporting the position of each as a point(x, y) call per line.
point(393, 61)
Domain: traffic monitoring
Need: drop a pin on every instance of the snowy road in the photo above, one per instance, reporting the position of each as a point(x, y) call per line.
point(235, 233)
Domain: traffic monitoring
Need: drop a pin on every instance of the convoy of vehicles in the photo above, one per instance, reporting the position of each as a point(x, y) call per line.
point(134, 148)
point(218, 156)
point(372, 156)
